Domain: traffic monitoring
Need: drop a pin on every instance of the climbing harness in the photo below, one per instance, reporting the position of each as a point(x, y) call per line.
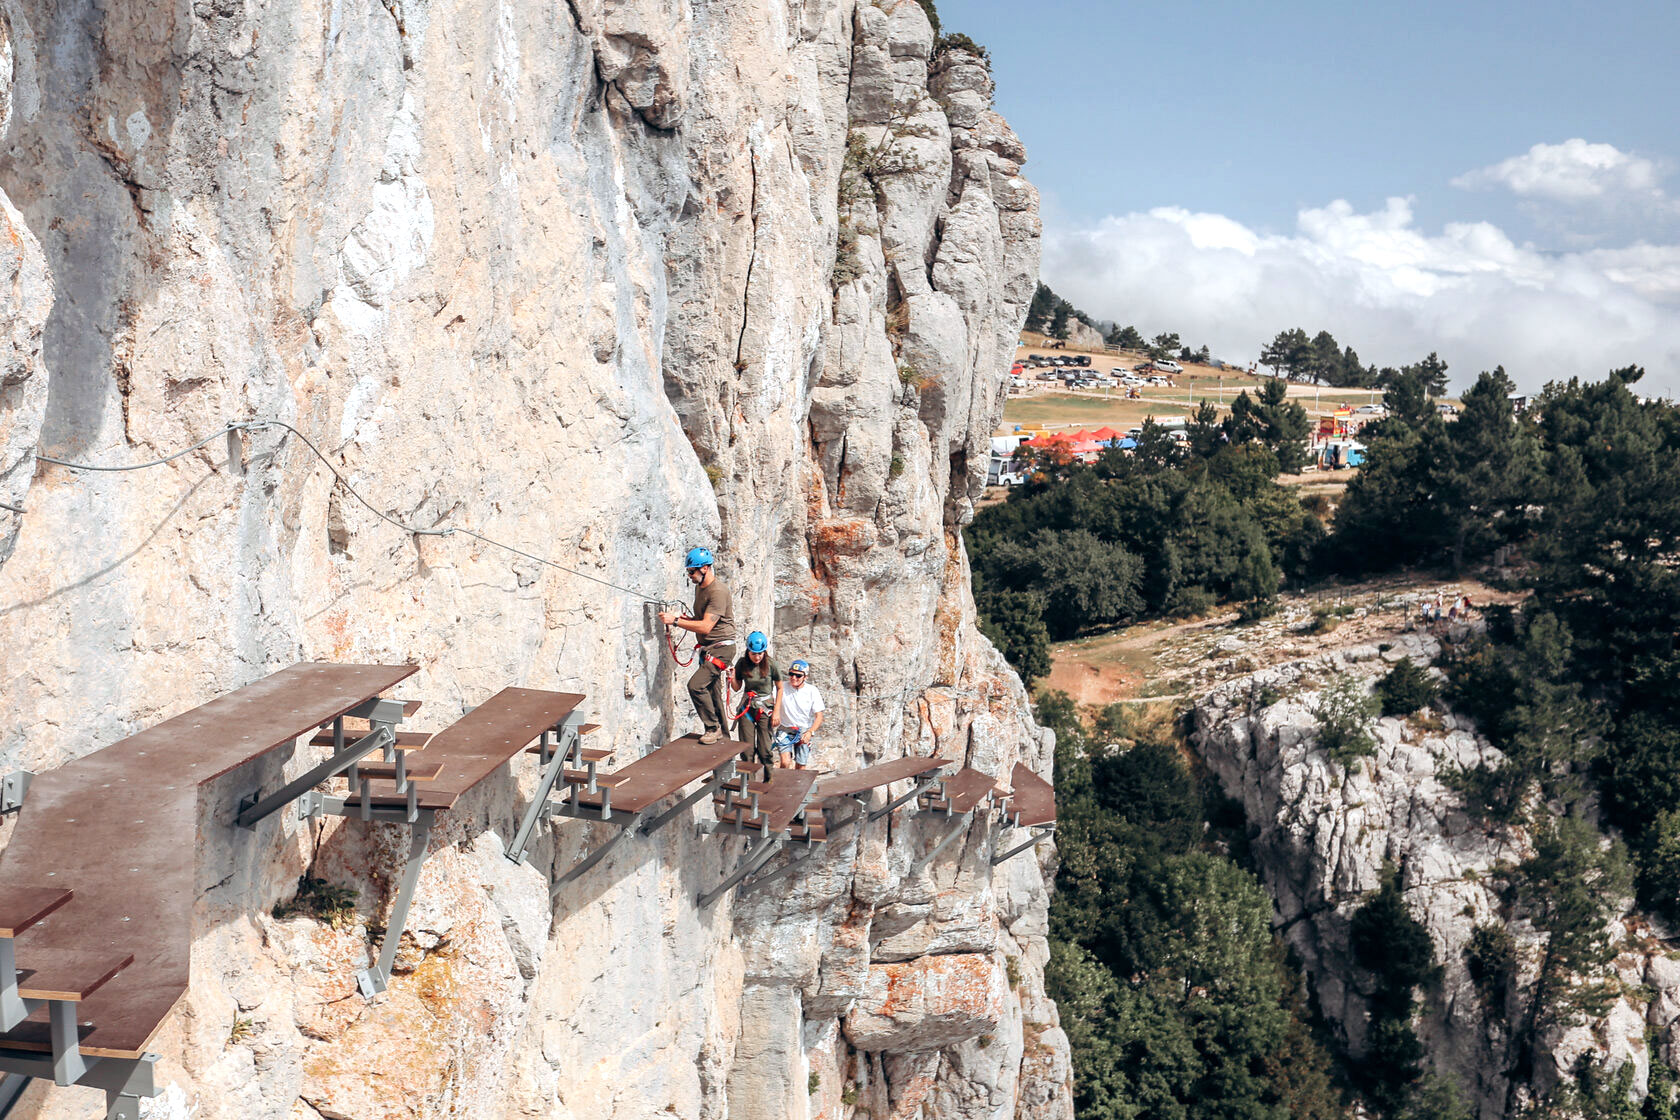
point(751, 701)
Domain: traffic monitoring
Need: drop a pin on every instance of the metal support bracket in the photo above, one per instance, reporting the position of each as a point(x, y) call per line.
point(12, 1086)
point(756, 857)
point(786, 869)
point(69, 1067)
point(719, 776)
point(14, 787)
point(955, 831)
point(1038, 837)
point(373, 981)
point(14, 1009)
point(553, 762)
point(344, 757)
point(124, 1080)
point(626, 830)
point(922, 786)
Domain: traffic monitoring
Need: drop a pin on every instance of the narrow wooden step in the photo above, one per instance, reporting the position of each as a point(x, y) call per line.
point(581, 778)
point(22, 907)
point(67, 974)
point(588, 754)
point(416, 771)
point(405, 741)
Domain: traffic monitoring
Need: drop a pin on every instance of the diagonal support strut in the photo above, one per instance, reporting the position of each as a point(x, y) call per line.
point(755, 858)
point(373, 980)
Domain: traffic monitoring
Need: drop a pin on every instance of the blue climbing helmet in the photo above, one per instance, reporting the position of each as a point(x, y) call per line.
point(800, 666)
point(698, 558)
point(757, 642)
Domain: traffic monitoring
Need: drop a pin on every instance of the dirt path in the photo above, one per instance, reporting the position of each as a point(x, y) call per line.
point(1152, 662)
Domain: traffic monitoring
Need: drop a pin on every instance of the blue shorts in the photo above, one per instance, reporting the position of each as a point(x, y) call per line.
point(787, 739)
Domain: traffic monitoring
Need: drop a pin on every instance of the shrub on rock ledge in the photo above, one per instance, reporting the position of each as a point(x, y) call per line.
point(1405, 688)
point(1344, 713)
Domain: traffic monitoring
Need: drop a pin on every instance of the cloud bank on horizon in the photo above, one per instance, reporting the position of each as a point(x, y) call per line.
point(1395, 292)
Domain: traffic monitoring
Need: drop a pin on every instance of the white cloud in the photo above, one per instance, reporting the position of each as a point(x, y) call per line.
point(1378, 282)
point(1571, 172)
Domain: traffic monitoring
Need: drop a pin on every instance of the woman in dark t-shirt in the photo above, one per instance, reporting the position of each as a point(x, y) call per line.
point(756, 673)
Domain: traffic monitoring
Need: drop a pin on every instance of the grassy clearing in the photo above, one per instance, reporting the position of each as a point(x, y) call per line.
point(1059, 410)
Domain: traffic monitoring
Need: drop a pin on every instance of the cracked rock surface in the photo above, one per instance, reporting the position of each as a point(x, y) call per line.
point(601, 280)
point(1322, 836)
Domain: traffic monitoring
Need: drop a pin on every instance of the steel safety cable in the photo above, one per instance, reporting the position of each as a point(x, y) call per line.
point(257, 425)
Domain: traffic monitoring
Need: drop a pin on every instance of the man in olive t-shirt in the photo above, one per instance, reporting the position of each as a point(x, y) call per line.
point(713, 626)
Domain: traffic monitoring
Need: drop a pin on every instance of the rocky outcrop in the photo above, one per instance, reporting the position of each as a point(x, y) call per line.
point(1081, 337)
point(600, 281)
point(1323, 836)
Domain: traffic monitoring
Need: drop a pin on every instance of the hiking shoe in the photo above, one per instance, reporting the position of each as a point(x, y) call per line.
point(711, 735)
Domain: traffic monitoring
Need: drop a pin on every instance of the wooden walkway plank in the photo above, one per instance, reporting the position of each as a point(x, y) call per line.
point(885, 773)
point(112, 827)
point(968, 788)
point(779, 801)
point(1034, 799)
point(662, 772)
point(474, 746)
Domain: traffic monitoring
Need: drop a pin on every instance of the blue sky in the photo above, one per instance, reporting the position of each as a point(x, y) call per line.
point(1497, 182)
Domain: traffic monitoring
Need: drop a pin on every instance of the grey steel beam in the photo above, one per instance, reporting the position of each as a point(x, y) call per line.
point(1038, 837)
point(756, 857)
point(124, 1080)
point(956, 830)
point(343, 758)
point(922, 786)
point(553, 764)
point(12, 1086)
point(373, 980)
point(786, 869)
point(14, 787)
point(599, 854)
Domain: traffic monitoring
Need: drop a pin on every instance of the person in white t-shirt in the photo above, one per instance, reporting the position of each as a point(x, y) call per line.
point(799, 712)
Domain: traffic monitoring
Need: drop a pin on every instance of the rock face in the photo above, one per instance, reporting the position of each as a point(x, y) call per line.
point(1081, 337)
point(599, 281)
point(1322, 836)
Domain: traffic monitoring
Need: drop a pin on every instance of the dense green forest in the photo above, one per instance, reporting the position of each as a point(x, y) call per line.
point(1176, 998)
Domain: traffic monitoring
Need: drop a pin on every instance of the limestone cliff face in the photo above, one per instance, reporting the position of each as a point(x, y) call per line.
point(601, 280)
point(1322, 835)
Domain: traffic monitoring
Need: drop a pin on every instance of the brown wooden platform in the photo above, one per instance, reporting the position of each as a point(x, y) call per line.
point(968, 788)
point(474, 746)
point(779, 801)
point(1034, 799)
point(662, 772)
point(862, 781)
point(113, 827)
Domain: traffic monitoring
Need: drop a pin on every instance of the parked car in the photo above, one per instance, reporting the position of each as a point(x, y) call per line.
point(1143, 367)
point(1117, 372)
point(1369, 409)
point(1047, 376)
point(1081, 359)
point(1167, 365)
